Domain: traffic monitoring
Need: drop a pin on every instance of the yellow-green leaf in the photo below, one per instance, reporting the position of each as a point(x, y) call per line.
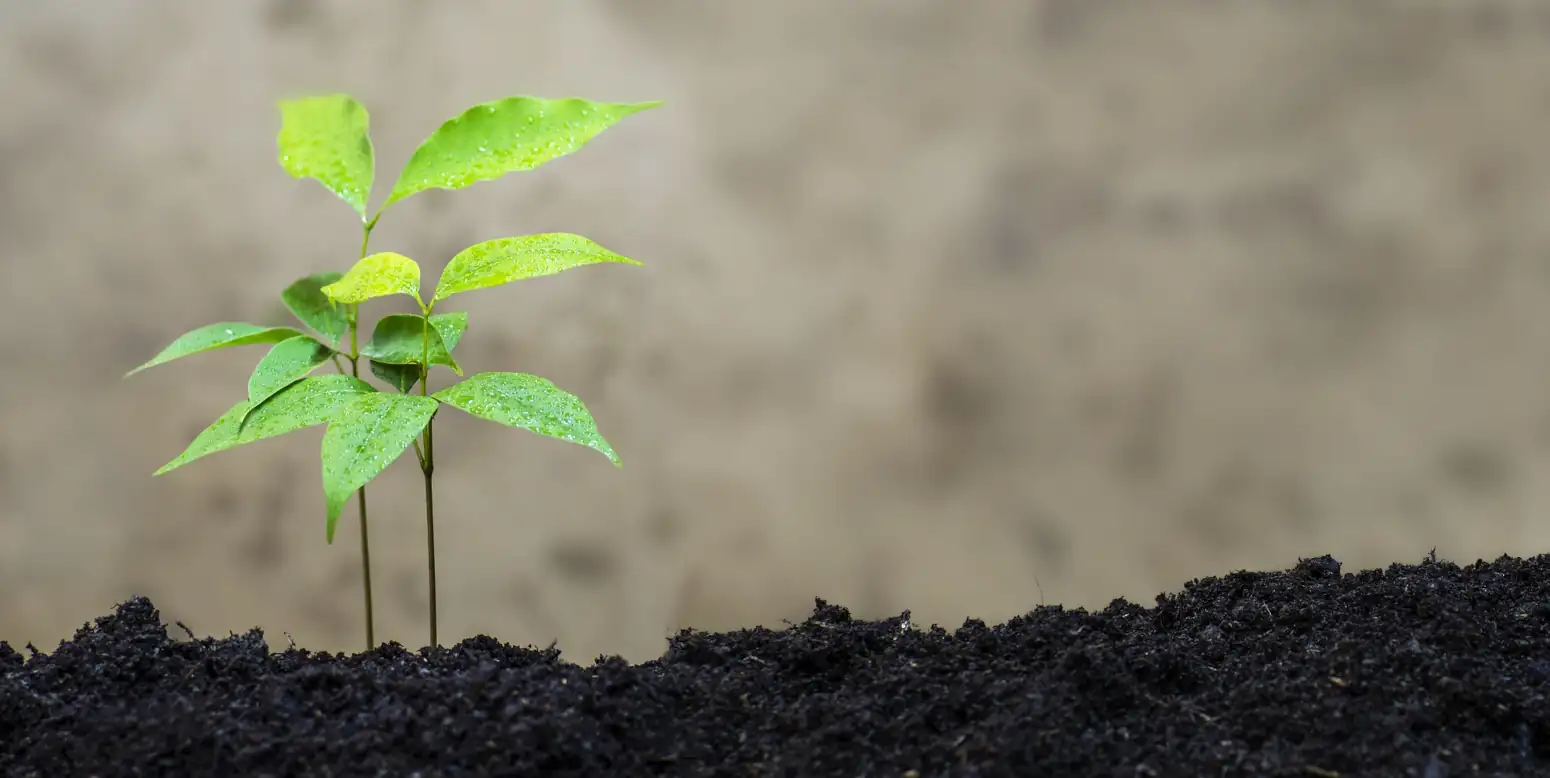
point(503, 260)
point(528, 402)
point(328, 138)
point(220, 335)
point(365, 436)
point(378, 275)
point(492, 139)
point(303, 404)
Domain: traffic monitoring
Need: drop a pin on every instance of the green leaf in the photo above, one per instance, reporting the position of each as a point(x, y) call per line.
point(302, 404)
point(288, 362)
point(328, 138)
point(311, 307)
point(404, 376)
point(529, 402)
point(399, 339)
point(400, 377)
point(220, 335)
point(492, 139)
point(503, 260)
point(378, 275)
point(365, 436)
point(451, 325)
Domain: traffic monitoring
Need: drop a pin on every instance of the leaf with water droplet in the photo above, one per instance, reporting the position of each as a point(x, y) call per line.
point(528, 402)
point(328, 138)
point(303, 404)
point(503, 260)
point(400, 377)
point(404, 375)
point(492, 139)
point(378, 275)
point(399, 339)
point(306, 301)
point(288, 362)
point(220, 335)
point(365, 436)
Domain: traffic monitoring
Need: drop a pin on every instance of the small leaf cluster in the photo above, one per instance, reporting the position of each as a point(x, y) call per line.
point(327, 139)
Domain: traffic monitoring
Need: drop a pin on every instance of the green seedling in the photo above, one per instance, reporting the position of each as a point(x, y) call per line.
point(327, 138)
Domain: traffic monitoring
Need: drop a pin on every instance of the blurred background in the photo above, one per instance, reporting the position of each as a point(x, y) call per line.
point(949, 307)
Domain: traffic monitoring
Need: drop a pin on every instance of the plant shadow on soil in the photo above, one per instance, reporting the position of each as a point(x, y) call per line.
point(1429, 670)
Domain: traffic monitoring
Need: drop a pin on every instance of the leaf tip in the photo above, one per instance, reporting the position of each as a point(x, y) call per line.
point(334, 509)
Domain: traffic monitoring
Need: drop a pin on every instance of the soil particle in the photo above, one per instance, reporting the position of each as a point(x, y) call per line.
point(1425, 670)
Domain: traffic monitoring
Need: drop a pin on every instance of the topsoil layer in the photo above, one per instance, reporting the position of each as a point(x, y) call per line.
point(1430, 670)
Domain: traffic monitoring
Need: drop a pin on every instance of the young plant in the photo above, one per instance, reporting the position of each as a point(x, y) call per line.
point(327, 138)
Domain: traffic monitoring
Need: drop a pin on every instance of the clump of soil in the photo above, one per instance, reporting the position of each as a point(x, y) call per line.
point(1430, 670)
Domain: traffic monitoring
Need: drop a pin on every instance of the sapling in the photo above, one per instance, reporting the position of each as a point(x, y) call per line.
point(327, 138)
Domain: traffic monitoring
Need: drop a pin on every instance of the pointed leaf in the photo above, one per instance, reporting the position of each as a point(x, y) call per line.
point(399, 339)
point(492, 139)
point(328, 138)
point(400, 377)
point(503, 260)
point(529, 402)
point(378, 275)
point(311, 307)
point(219, 335)
point(288, 362)
point(451, 325)
point(403, 377)
point(365, 436)
point(303, 404)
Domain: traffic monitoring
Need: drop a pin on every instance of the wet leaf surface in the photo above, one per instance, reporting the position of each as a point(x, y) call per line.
point(305, 403)
point(366, 434)
point(219, 335)
point(306, 301)
point(501, 261)
point(399, 339)
point(378, 275)
point(328, 138)
point(527, 402)
point(288, 362)
point(492, 139)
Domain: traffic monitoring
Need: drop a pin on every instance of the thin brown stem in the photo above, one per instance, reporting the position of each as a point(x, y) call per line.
point(355, 371)
point(428, 461)
point(360, 501)
point(430, 528)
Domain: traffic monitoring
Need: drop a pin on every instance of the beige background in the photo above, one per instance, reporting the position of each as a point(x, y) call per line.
point(946, 304)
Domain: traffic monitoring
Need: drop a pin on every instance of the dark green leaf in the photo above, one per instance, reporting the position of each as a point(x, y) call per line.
point(311, 307)
point(400, 377)
point(399, 339)
point(403, 377)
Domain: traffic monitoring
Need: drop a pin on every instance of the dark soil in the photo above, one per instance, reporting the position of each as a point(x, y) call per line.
point(1430, 670)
